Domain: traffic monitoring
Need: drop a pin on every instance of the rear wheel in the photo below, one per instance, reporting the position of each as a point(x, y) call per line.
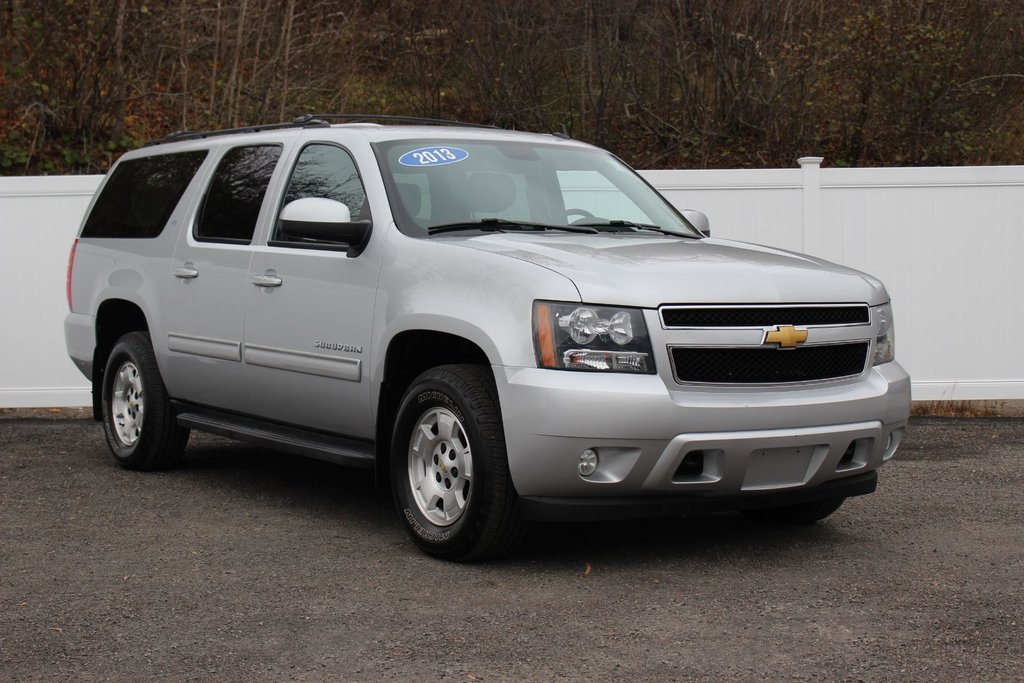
point(801, 513)
point(449, 468)
point(141, 428)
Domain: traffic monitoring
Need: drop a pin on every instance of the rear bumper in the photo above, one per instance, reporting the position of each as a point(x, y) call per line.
point(551, 509)
point(80, 337)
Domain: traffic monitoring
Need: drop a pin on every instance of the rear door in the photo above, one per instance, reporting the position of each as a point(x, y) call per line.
point(210, 269)
point(309, 310)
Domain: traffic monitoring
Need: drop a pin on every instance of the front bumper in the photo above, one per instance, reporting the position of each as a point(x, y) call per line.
point(749, 443)
point(636, 507)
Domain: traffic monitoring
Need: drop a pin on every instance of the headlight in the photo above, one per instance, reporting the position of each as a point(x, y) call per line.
point(885, 342)
point(596, 338)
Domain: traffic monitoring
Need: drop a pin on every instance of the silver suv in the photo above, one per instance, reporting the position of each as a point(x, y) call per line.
point(504, 326)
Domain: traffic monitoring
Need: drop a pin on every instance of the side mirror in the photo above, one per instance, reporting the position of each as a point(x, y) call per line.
point(318, 221)
point(699, 220)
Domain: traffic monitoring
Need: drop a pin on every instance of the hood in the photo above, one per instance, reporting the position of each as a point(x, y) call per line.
point(650, 270)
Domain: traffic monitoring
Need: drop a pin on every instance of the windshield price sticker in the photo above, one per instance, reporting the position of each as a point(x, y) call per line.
point(433, 156)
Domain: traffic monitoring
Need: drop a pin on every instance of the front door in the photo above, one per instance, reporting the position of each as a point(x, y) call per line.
point(309, 312)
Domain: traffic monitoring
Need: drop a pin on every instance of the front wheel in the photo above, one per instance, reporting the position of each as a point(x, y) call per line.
point(449, 468)
point(141, 428)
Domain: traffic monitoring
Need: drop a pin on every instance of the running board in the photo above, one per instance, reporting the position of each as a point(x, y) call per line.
point(336, 449)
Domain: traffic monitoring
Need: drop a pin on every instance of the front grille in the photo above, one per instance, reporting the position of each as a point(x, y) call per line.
point(755, 316)
point(767, 365)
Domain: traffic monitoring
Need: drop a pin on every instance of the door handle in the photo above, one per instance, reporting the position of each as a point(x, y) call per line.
point(266, 280)
point(185, 272)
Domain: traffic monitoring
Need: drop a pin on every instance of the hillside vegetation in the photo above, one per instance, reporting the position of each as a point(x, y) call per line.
point(662, 83)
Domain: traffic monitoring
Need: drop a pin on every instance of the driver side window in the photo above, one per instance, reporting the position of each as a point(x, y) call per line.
point(328, 172)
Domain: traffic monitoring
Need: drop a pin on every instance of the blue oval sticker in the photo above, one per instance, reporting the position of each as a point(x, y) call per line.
point(433, 156)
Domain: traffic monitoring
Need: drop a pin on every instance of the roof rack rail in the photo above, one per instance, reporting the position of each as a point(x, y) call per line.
point(390, 118)
point(178, 136)
point(310, 121)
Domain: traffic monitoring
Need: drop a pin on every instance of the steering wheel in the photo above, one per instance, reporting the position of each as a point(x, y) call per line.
point(578, 212)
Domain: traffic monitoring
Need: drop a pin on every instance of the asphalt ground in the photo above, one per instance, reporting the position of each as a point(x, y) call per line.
point(245, 565)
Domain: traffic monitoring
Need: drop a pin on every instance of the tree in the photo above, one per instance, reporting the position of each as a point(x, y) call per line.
point(663, 83)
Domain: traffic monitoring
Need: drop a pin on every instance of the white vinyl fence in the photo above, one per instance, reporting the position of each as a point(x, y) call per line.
point(948, 243)
point(39, 217)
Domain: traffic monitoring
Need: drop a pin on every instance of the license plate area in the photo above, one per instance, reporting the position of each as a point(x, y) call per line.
point(774, 468)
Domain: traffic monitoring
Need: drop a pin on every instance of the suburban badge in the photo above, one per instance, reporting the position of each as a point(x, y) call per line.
point(335, 346)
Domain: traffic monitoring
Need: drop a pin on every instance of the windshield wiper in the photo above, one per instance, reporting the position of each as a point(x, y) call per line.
point(501, 224)
point(637, 227)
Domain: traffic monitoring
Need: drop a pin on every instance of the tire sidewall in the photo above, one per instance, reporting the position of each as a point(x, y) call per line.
point(424, 395)
point(122, 352)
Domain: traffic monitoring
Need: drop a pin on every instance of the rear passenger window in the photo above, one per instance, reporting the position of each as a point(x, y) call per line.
point(141, 194)
point(233, 200)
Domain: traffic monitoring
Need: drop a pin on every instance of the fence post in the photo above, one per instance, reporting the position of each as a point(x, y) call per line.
point(811, 242)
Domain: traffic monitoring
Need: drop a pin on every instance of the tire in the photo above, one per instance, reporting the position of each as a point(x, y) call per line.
point(449, 467)
point(799, 514)
point(139, 422)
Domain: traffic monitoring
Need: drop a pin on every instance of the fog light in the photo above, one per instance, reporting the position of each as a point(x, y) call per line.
point(588, 463)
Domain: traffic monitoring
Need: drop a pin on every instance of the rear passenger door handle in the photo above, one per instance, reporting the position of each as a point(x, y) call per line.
point(266, 280)
point(185, 272)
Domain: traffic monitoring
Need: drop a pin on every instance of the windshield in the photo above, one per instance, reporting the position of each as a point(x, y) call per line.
point(439, 183)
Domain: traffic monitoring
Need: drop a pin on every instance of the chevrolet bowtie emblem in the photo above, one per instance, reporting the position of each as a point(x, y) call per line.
point(786, 336)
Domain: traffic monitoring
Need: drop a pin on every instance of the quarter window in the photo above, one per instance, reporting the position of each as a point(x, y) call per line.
point(233, 200)
point(141, 194)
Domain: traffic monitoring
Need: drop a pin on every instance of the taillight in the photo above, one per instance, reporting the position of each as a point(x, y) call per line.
point(71, 265)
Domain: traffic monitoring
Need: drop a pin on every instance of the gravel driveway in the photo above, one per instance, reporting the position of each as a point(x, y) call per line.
point(248, 565)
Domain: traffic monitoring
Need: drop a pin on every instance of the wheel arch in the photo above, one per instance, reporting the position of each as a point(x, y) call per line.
point(409, 354)
point(114, 319)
